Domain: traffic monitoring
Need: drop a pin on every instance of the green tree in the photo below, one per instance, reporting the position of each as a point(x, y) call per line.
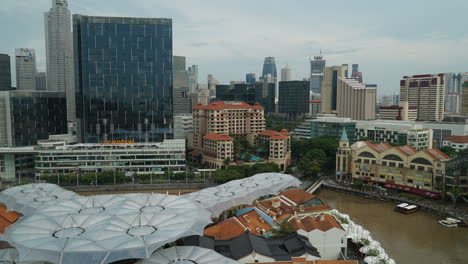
point(283, 229)
point(316, 154)
point(456, 193)
point(449, 151)
point(310, 168)
point(222, 176)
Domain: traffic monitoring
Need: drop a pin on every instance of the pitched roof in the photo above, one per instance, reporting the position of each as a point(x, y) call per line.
point(220, 105)
point(406, 150)
point(380, 147)
point(278, 136)
point(298, 196)
point(216, 136)
point(7, 218)
point(344, 136)
point(322, 222)
point(436, 154)
point(457, 139)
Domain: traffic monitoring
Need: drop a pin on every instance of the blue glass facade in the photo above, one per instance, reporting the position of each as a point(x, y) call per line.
point(123, 73)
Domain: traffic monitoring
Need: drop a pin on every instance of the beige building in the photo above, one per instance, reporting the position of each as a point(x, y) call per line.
point(402, 112)
point(426, 93)
point(355, 100)
point(215, 125)
point(402, 168)
point(330, 87)
point(420, 138)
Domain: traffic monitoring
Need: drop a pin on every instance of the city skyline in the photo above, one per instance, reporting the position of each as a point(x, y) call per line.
point(344, 38)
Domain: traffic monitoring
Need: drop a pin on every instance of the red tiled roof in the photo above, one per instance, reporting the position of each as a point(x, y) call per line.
point(298, 196)
point(436, 154)
point(220, 105)
point(251, 222)
point(216, 136)
point(270, 133)
point(457, 139)
point(406, 150)
point(7, 218)
point(278, 136)
point(323, 222)
point(380, 147)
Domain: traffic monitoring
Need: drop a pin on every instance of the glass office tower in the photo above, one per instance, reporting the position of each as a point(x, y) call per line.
point(123, 78)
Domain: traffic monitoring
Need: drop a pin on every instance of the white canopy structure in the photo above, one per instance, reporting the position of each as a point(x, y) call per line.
point(25, 199)
point(244, 191)
point(187, 255)
point(10, 256)
point(94, 230)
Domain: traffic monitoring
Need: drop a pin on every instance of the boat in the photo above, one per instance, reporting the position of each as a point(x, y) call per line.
point(449, 222)
point(406, 208)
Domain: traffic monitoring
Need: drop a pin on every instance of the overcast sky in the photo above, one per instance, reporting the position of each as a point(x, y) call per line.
point(388, 39)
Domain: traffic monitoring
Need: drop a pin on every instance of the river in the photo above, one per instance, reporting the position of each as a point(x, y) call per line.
point(409, 239)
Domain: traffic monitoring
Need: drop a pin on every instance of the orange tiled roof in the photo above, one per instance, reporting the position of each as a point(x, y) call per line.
point(457, 139)
point(221, 105)
point(238, 225)
point(380, 147)
point(216, 136)
point(436, 154)
point(406, 150)
point(323, 222)
point(278, 136)
point(274, 132)
point(7, 218)
point(298, 196)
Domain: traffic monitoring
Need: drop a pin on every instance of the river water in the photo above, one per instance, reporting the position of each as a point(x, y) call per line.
point(409, 239)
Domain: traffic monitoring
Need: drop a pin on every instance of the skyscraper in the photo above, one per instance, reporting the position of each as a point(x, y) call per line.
point(356, 100)
point(41, 81)
point(396, 99)
point(355, 68)
point(5, 72)
point(250, 78)
point(181, 84)
point(330, 87)
point(294, 98)
point(123, 78)
point(212, 82)
point(346, 71)
point(193, 78)
point(317, 67)
point(269, 67)
point(286, 73)
point(25, 69)
point(453, 91)
point(426, 93)
point(59, 53)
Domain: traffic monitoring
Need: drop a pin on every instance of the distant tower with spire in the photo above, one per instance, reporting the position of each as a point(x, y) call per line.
point(343, 158)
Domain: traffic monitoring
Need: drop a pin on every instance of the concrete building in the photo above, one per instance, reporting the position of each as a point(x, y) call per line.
point(5, 72)
point(396, 167)
point(180, 86)
point(386, 100)
point(250, 78)
point(315, 107)
point(57, 157)
point(464, 101)
point(200, 96)
point(302, 131)
point(317, 67)
point(456, 142)
point(259, 92)
point(355, 100)
point(396, 99)
point(212, 82)
point(132, 100)
point(426, 93)
point(294, 98)
point(183, 124)
point(286, 74)
point(29, 116)
point(395, 112)
point(330, 88)
point(324, 232)
point(193, 78)
point(453, 91)
point(59, 54)
point(41, 81)
point(25, 69)
point(420, 138)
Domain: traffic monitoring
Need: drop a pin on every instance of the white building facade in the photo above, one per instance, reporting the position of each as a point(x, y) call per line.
point(25, 69)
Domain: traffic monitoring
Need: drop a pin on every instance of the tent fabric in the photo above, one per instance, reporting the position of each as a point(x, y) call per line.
point(244, 191)
point(188, 255)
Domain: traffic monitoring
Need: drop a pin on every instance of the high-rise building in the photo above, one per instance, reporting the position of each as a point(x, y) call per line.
point(25, 69)
point(330, 88)
point(426, 93)
point(269, 67)
point(123, 77)
point(355, 68)
point(464, 104)
point(259, 92)
point(355, 100)
point(317, 67)
point(212, 82)
point(28, 116)
point(200, 96)
point(59, 53)
point(294, 98)
point(41, 81)
point(286, 74)
point(346, 71)
point(193, 77)
point(181, 84)
point(250, 78)
point(5, 72)
point(386, 100)
point(396, 99)
point(183, 124)
point(453, 91)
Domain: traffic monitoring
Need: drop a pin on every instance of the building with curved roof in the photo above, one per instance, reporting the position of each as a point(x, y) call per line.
point(187, 255)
